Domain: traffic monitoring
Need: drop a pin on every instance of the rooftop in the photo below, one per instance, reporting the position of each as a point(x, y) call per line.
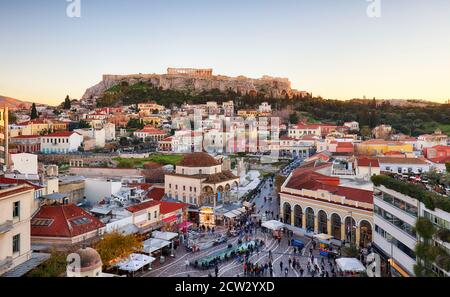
point(66, 220)
point(198, 159)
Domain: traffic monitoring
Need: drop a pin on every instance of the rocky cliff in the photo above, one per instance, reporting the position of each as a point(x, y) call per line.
point(270, 86)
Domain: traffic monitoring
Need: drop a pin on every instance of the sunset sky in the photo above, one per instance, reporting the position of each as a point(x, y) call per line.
point(330, 48)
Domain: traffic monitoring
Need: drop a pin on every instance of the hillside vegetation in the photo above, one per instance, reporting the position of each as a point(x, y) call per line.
point(409, 120)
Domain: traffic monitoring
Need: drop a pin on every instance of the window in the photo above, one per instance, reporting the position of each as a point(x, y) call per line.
point(16, 243)
point(149, 216)
point(16, 209)
point(155, 214)
point(170, 186)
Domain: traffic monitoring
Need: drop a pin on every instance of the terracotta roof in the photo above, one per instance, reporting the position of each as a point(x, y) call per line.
point(382, 142)
point(142, 206)
point(152, 131)
point(167, 139)
point(220, 177)
point(345, 144)
point(440, 160)
point(61, 134)
point(400, 160)
point(26, 136)
point(142, 186)
point(168, 207)
point(156, 194)
point(66, 220)
point(14, 190)
point(366, 162)
point(198, 160)
point(310, 180)
point(12, 181)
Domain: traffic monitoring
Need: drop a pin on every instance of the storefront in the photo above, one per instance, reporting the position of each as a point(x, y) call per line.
point(207, 217)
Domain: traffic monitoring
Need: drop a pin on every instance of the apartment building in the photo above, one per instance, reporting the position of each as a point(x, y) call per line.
point(61, 142)
point(3, 139)
point(15, 214)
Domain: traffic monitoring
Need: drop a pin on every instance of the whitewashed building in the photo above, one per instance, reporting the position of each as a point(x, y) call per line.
point(61, 142)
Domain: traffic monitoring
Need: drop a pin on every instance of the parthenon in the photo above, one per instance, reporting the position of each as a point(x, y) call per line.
point(190, 72)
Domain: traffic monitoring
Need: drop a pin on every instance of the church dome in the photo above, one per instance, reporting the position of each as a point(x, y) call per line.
point(198, 160)
point(89, 259)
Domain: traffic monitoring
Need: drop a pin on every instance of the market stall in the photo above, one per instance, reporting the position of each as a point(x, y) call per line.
point(275, 226)
point(135, 262)
point(349, 266)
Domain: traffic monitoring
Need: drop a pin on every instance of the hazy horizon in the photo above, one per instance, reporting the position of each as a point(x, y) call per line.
point(331, 49)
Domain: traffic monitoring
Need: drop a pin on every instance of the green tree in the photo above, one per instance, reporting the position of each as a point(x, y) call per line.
point(293, 118)
point(124, 141)
point(34, 113)
point(447, 167)
point(67, 103)
point(83, 124)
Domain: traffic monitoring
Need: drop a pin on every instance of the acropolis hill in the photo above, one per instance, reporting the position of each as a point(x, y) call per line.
point(197, 80)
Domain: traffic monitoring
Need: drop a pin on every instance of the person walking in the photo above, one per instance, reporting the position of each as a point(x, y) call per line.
point(286, 271)
point(216, 270)
point(281, 266)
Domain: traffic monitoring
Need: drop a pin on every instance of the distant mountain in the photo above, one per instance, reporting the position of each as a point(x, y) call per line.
point(14, 103)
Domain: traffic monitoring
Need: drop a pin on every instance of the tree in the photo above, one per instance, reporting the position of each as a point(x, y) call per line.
point(12, 118)
point(447, 167)
point(366, 132)
point(293, 118)
point(115, 246)
point(55, 266)
point(124, 141)
point(83, 124)
point(34, 113)
point(67, 103)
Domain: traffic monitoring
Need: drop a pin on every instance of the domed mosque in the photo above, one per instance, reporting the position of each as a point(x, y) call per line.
point(200, 180)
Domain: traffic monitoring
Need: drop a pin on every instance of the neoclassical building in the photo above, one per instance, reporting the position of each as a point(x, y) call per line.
point(200, 181)
point(316, 202)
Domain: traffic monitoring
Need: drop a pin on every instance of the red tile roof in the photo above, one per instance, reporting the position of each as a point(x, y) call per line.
point(168, 207)
point(61, 134)
point(156, 194)
point(366, 162)
point(26, 136)
point(310, 180)
point(345, 144)
point(152, 131)
point(142, 206)
point(64, 221)
point(12, 181)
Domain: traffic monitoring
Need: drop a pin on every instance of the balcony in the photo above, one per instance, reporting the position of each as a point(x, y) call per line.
point(6, 226)
point(6, 263)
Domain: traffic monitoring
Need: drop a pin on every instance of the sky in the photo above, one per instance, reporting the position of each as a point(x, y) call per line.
point(327, 47)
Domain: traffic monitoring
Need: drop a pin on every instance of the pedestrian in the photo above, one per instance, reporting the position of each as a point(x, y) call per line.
point(301, 271)
point(290, 262)
point(216, 270)
point(286, 271)
point(281, 266)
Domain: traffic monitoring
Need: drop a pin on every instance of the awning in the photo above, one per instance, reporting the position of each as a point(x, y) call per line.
point(273, 225)
point(135, 262)
point(164, 235)
point(350, 265)
point(170, 219)
point(153, 244)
